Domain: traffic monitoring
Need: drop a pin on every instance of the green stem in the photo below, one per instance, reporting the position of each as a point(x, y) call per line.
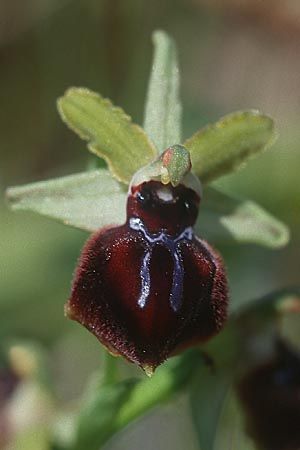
point(111, 369)
point(113, 406)
point(166, 382)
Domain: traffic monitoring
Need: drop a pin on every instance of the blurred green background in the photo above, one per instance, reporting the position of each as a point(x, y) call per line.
point(233, 55)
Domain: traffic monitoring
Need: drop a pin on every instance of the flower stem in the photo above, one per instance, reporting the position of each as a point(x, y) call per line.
point(111, 369)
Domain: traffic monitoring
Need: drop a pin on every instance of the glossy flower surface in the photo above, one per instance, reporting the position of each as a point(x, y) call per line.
point(150, 288)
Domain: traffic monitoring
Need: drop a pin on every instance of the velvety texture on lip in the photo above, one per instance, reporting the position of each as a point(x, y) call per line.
point(150, 287)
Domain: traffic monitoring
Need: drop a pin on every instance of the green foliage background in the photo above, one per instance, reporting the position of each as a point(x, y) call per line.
point(228, 63)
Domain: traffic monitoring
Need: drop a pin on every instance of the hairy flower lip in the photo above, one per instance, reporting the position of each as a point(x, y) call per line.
point(150, 288)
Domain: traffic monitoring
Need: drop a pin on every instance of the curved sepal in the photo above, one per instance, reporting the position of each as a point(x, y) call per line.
point(109, 131)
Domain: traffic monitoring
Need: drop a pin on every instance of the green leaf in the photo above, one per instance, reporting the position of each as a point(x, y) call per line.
point(97, 418)
point(162, 120)
point(109, 131)
point(220, 148)
point(111, 407)
point(207, 398)
point(87, 200)
point(224, 218)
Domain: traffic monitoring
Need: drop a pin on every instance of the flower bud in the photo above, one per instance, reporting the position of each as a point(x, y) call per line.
point(270, 394)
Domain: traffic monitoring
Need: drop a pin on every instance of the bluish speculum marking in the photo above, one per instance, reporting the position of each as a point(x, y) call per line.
point(145, 276)
point(172, 244)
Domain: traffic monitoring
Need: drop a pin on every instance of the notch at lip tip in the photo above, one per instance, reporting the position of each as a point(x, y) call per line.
point(149, 370)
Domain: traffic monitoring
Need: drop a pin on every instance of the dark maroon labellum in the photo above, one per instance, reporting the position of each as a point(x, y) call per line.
point(150, 288)
point(270, 395)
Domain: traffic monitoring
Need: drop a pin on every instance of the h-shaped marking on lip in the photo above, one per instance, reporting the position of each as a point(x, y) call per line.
point(178, 272)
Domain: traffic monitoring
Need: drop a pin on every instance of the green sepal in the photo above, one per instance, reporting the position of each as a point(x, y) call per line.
point(109, 131)
point(87, 200)
point(162, 121)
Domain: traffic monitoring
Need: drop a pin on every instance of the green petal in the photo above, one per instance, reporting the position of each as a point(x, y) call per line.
point(163, 109)
point(87, 200)
point(223, 147)
point(224, 218)
point(109, 131)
